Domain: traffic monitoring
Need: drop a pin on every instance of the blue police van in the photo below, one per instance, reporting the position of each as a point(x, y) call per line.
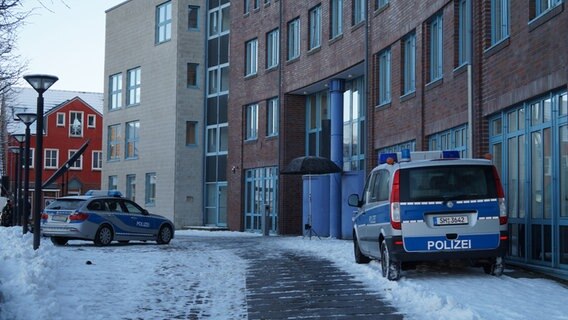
point(432, 205)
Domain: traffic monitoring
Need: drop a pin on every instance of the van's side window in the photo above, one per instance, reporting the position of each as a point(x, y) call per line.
point(383, 192)
point(374, 188)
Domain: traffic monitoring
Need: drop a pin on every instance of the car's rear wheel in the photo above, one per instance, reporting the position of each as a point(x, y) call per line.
point(164, 235)
point(359, 256)
point(390, 269)
point(59, 241)
point(104, 236)
point(494, 268)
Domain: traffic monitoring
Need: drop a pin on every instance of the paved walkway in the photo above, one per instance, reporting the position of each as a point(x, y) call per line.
point(289, 285)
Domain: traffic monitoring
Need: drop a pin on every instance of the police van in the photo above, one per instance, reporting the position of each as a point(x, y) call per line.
point(432, 205)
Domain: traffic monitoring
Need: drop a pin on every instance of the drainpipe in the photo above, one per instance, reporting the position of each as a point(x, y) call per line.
point(470, 83)
point(336, 88)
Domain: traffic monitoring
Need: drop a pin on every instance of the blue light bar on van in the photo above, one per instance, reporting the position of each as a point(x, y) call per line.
point(450, 154)
point(383, 157)
point(109, 193)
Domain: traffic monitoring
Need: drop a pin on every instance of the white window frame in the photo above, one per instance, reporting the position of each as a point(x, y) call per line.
point(272, 48)
point(499, 21)
point(91, 121)
point(113, 144)
point(97, 160)
point(164, 22)
point(150, 185)
point(336, 18)
point(272, 116)
point(81, 123)
point(314, 23)
point(251, 56)
point(115, 91)
point(359, 10)
point(293, 39)
point(134, 86)
point(251, 112)
point(385, 77)
point(60, 119)
point(131, 140)
point(79, 161)
point(409, 64)
point(47, 161)
point(436, 46)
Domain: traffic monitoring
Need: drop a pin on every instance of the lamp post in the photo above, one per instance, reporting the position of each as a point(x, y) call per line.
point(40, 82)
point(27, 119)
point(21, 138)
point(16, 151)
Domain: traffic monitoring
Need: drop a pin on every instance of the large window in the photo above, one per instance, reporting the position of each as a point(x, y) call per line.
point(133, 86)
point(315, 27)
point(132, 139)
point(261, 194)
point(150, 194)
point(251, 122)
point(409, 64)
point(499, 20)
point(336, 18)
point(164, 22)
point(318, 124)
point(113, 142)
point(75, 124)
point(219, 21)
point(436, 47)
point(359, 11)
point(218, 80)
point(115, 91)
point(51, 158)
point(463, 29)
point(452, 139)
point(385, 77)
point(272, 117)
point(294, 39)
point(354, 126)
point(272, 48)
point(251, 63)
point(77, 164)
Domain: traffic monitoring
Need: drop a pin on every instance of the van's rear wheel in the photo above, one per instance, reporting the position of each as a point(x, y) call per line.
point(390, 269)
point(495, 268)
point(359, 256)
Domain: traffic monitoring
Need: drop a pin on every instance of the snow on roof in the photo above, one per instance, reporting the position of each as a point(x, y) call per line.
point(25, 100)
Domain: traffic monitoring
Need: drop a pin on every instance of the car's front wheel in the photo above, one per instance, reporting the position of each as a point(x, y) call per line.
point(104, 236)
point(390, 269)
point(59, 241)
point(164, 235)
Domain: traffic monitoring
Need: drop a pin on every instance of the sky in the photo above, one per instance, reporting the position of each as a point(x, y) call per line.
point(82, 281)
point(66, 38)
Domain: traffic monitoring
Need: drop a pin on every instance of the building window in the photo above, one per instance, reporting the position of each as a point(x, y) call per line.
point(354, 133)
point(272, 117)
point(379, 4)
point(272, 48)
point(453, 139)
point(219, 21)
point(410, 145)
point(409, 64)
point(75, 124)
point(542, 6)
point(91, 121)
point(256, 4)
point(463, 29)
point(164, 22)
point(318, 124)
point(150, 194)
point(499, 20)
point(261, 192)
point(192, 74)
point(60, 119)
point(77, 164)
point(252, 122)
point(315, 27)
point(436, 47)
point(112, 182)
point(385, 77)
point(132, 139)
point(251, 64)
point(133, 86)
point(193, 18)
point(51, 158)
point(115, 91)
point(336, 18)
point(246, 8)
point(113, 142)
point(359, 8)
point(191, 133)
point(217, 139)
point(97, 160)
point(131, 187)
point(294, 39)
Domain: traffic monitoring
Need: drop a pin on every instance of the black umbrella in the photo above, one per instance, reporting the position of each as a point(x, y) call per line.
point(311, 165)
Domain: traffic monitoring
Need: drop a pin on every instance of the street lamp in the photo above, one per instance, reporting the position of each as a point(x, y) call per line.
point(27, 119)
point(16, 151)
point(21, 138)
point(40, 82)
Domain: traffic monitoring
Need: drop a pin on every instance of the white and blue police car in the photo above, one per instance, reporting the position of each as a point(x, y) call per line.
point(102, 217)
point(431, 205)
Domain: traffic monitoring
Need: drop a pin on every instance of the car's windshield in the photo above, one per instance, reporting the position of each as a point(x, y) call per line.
point(443, 183)
point(65, 204)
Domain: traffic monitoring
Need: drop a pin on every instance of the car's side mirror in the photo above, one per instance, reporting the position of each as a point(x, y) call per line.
point(353, 200)
point(145, 212)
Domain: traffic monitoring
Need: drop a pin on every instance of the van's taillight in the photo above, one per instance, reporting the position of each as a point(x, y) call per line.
point(79, 216)
point(395, 202)
point(44, 216)
point(501, 197)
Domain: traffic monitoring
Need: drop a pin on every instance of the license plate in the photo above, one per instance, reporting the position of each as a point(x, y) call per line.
point(59, 217)
point(450, 220)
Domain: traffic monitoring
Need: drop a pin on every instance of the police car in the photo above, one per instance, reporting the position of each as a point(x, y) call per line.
point(430, 206)
point(102, 217)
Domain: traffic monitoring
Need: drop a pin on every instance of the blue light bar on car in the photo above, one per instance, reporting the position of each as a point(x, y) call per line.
point(450, 154)
point(383, 157)
point(106, 193)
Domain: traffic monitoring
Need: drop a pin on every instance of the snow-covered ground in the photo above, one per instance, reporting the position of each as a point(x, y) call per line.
point(148, 281)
